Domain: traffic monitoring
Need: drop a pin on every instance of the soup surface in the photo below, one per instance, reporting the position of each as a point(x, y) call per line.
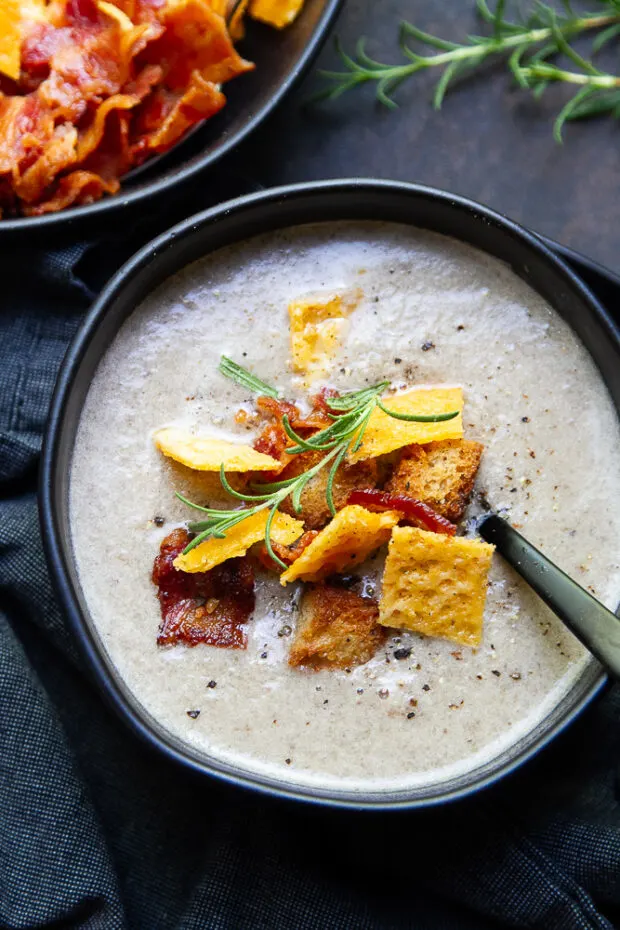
point(433, 311)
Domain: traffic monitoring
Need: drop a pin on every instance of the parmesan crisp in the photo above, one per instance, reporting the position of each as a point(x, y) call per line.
point(435, 585)
point(385, 434)
point(204, 454)
point(238, 539)
point(318, 328)
point(348, 540)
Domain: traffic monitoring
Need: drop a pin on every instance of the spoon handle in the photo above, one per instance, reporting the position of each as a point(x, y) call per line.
point(596, 626)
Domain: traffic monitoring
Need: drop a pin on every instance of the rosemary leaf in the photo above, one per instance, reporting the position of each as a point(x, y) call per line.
point(418, 418)
point(237, 494)
point(245, 378)
point(268, 545)
point(329, 490)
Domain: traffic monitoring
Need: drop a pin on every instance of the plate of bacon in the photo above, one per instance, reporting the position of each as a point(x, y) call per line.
point(104, 103)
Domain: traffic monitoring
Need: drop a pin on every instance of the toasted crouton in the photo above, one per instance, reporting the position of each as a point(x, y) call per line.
point(315, 512)
point(337, 628)
point(440, 474)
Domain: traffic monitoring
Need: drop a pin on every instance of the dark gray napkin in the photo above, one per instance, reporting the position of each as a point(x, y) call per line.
point(98, 831)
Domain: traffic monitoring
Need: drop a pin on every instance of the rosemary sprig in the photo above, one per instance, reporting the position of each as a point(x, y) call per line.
point(350, 413)
point(528, 48)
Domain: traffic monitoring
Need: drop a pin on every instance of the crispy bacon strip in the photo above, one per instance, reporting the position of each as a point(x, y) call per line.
point(273, 439)
point(421, 514)
point(177, 113)
point(79, 187)
point(101, 86)
point(205, 607)
point(288, 554)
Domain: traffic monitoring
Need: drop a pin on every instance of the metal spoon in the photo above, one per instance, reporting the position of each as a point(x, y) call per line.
point(596, 626)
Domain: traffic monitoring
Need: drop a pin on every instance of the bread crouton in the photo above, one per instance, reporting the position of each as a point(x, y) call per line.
point(337, 627)
point(314, 510)
point(441, 474)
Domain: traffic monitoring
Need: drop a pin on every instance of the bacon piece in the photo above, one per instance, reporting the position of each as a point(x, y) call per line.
point(320, 402)
point(201, 100)
point(273, 439)
point(84, 74)
point(288, 554)
point(205, 607)
point(195, 39)
point(417, 512)
point(101, 87)
point(58, 154)
point(92, 137)
point(79, 187)
point(82, 12)
point(24, 130)
point(317, 418)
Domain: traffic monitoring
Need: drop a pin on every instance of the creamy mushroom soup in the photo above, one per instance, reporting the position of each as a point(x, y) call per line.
point(433, 311)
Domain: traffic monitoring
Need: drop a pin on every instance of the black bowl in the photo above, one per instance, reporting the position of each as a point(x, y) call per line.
point(281, 59)
point(234, 221)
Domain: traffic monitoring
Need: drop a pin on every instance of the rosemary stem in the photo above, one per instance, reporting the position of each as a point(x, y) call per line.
point(552, 73)
point(497, 46)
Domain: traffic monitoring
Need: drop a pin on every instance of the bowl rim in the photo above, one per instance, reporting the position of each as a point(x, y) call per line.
point(159, 184)
point(137, 717)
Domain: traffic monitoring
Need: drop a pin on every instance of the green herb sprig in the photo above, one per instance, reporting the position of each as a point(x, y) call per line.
point(245, 378)
point(528, 48)
point(350, 414)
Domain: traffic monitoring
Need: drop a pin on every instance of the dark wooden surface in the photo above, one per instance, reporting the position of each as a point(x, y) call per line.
point(489, 142)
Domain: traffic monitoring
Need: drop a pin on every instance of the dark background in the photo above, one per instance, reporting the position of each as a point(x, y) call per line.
point(490, 141)
point(98, 831)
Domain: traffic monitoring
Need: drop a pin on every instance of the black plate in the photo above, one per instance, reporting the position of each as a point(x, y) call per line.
point(531, 259)
point(281, 58)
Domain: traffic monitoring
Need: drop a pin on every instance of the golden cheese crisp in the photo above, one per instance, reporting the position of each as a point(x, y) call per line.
point(10, 38)
point(385, 434)
point(435, 585)
point(278, 13)
point(317, 329)
point(349, 539)
point(284, 531)
point(209, 454)
point(236, 26)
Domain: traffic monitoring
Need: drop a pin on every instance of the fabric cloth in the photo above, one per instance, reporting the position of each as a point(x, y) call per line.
point(98, 831)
